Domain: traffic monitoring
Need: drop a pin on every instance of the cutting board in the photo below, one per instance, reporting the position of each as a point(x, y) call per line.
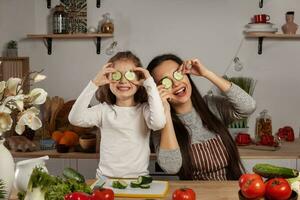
point(157, 189)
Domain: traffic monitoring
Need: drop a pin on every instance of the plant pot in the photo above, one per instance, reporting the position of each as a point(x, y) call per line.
point(7, 168)
point(12, 52)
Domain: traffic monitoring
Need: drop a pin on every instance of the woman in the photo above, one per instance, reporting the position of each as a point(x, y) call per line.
point(195, 143)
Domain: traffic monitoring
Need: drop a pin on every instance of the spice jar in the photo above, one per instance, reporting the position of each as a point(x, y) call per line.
point(263, 125)
point(60, 20)
point(107, 25)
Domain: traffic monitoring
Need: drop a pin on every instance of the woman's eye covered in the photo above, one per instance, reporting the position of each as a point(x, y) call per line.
point(129, 75)
point(168, 83)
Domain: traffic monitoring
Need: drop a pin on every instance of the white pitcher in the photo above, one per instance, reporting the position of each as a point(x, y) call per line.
point(24, 169)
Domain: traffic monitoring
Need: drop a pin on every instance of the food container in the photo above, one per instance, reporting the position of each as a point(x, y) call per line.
point(263, 125)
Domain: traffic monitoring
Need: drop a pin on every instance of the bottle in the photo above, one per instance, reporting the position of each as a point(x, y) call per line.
point(289, 27)
point(263, 125)
point(107, 25)
point(60, 20)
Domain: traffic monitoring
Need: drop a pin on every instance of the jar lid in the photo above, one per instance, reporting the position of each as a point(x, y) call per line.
point(60, 8)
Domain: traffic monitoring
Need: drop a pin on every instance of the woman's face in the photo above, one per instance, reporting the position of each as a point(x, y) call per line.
point(181, 90)
point(123, 89)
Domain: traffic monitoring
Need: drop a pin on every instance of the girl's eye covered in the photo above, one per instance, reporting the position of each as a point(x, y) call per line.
point(178, 75)
point(129, 75)
point(168, 83)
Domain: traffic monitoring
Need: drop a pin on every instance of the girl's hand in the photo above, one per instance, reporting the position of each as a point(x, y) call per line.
point(102, 76)
point(165, 96)
point(194, 67)
point(142, 75)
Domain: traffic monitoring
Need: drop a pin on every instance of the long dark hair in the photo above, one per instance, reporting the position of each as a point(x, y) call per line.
point(209, 120)
point(104, 93)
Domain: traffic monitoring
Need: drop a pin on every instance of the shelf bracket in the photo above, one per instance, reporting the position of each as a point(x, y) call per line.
point(98, 4)
point(98, 45)
point(261, 3)
point(48, 4)
point(48, 44)
point(260, 43)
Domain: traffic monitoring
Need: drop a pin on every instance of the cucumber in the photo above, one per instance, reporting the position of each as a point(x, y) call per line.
point(134, 184)
point(116, 76)
point(119, 184)
point(70, 173)
point(146, 180)
point(145, 186)
point(271, 171)
point(167, 83)
point(178, 75)
point(130, 75)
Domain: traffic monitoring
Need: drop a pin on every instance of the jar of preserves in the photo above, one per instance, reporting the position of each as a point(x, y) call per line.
point(263, 125)
point(107, 25)
point(60, 20)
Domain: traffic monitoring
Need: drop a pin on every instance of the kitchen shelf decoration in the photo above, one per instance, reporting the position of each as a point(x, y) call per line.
point(262, 35)
point(49, 37)
point(98, 4)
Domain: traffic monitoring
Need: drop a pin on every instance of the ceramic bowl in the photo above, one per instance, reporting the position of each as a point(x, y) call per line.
point(87, 141)
point(62, 148)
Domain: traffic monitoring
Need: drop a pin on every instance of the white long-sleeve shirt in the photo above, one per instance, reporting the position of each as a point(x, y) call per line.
point(125, 131)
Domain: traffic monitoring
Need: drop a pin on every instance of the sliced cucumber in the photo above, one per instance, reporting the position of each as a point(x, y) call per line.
point(145, 186)
point(119, 184)
point(146, 180)
point(116, 76)
point(178, 75)
point(130, 75)
point(167, 83)
point(135, 184)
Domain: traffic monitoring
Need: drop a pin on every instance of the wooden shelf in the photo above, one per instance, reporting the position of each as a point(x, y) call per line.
point(262, 35)
point(49, 37)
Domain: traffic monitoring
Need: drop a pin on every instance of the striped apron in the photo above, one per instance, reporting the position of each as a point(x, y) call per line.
point(209, 160)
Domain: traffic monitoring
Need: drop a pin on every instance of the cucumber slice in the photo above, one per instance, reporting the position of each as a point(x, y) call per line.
point(178, 75)
point(135, 184)
point(146, 180)
point(145, 186)
point(119, 184)
point(116, 76)
point(167, 83)
point(130, 75)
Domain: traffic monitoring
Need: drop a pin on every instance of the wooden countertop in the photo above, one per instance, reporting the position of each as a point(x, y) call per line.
point(205, 190)
point(288, 150)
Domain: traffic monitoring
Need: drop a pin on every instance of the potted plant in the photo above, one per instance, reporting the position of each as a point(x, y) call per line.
point(12, 49)
point(248, 85)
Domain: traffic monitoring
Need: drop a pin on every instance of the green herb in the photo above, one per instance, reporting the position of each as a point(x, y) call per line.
point(12, 44)
point(2, 189)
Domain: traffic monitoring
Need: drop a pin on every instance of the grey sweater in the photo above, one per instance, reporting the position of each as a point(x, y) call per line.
point(235, 104)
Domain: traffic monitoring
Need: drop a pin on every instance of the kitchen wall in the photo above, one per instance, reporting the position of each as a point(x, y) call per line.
point(210, 30)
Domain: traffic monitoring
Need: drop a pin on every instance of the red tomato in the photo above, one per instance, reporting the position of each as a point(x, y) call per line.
point(78, 196)
point(103, 194)
point(243, 179)
point(184, 194)
point(278, 189)
point(253, 188)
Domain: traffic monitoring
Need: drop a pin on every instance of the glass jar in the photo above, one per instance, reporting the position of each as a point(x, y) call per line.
point(60, 20)
point(263, 125)
point(107, 25)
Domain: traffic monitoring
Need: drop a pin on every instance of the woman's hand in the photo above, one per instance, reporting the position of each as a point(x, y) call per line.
point(165, 96)
point(102, 76)
point(142, 75)
point(194, 67)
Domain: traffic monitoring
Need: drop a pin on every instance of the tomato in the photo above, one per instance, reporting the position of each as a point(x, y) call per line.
point(246, 177)
point(78, 196)
point(253, 188)
point(103, 194)
point(184, 194)
point(278, 189)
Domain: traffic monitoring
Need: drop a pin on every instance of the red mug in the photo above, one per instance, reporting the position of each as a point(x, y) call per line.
point(243, 139)
point(261, 18)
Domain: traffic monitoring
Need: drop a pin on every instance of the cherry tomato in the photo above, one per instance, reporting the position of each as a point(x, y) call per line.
point(278, 189)
point(103, 194)
point(243, 179)
point(184, 194)
point(253, 188)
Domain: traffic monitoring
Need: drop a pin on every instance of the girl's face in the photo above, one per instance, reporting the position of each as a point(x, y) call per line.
point(181, 90)
point(123, 89)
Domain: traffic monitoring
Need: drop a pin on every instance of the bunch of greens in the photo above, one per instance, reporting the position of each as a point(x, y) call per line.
point(2, 189)
point(43, 186)
point(248, 85)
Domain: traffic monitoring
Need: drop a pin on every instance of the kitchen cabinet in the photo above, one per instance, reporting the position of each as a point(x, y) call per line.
point(48, 38)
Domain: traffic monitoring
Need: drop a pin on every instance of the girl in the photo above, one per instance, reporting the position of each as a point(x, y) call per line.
point(129, 107)
point(195, 141)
